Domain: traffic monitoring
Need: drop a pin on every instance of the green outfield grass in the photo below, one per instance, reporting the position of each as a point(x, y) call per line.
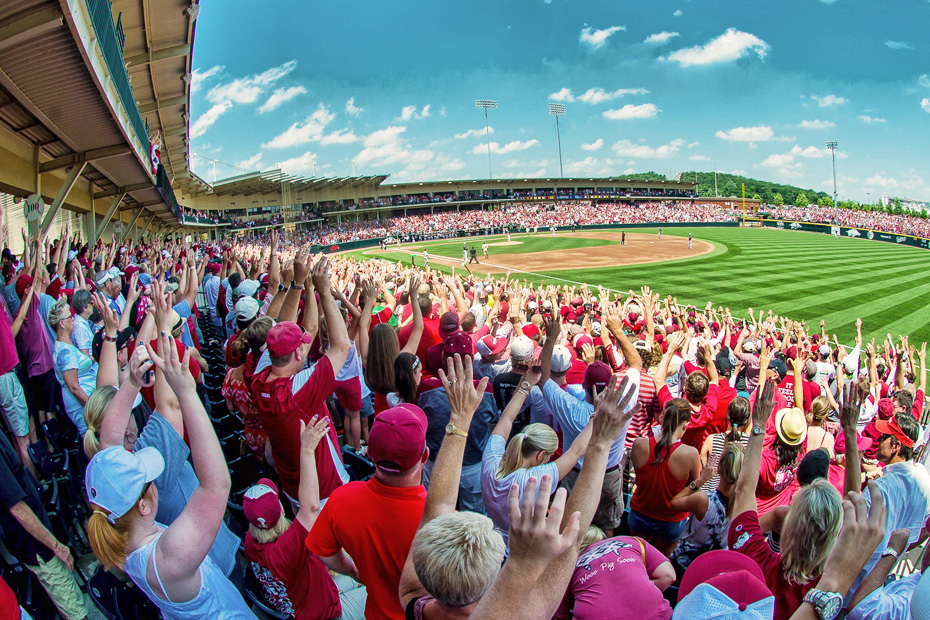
point(800, 275)
point(528, 243)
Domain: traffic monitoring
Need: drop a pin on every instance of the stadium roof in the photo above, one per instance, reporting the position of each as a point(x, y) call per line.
point(271, 181)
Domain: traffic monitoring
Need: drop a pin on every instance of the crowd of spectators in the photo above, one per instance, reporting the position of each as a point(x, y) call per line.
point(855, 218)
point(427, 446)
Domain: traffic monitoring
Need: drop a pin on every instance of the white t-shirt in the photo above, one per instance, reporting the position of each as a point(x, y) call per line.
point(496, 493)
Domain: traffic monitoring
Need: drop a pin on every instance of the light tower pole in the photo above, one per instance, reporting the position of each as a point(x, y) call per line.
point(557, 110)
point(832, 145)
point(487, 104)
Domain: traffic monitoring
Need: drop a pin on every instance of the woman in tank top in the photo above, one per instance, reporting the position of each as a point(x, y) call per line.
point(664, 466)
point(169, 564)
point(738, 416)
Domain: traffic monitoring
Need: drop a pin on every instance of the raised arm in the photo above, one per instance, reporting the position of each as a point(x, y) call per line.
point(849, 417)
point(662, 371)
point(308, 493)
point(184, 545)
point(414, 341)
point(113, 428)
point(744, 495)
point(339, 344)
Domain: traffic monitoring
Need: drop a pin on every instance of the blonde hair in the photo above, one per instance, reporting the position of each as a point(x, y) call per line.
point(456, 556)
point(810, 529)
point(535, 437)
point(592, 536)
point(58, 312)
point(110, 541)
point(820, 408)
point(94, 412)
point(263, 537)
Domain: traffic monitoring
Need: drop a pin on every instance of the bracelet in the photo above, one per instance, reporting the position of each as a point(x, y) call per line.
point(297, 287)
point(109, 338)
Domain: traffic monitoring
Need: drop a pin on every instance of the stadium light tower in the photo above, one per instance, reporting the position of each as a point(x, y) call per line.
point(557, 110)
point(832, 145)
point(487, 104)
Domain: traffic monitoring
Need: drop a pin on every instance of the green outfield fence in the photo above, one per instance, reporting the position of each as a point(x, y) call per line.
point(846, 231)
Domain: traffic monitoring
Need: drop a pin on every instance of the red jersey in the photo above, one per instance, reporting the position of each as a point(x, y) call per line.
point(282, 402)
point(697, 428)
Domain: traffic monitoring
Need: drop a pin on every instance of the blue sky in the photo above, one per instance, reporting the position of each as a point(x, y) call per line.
point(752, 88)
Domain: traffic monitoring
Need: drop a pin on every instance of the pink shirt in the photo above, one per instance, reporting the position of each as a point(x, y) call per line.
point(8, 355)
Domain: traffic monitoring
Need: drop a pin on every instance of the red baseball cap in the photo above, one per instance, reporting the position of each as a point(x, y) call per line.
point(530, 330)
point(597, 375)
point(22, 283)
point(581, 340)
point(285, 338)
point(891, 427)
point(712, 564)
point(397, 438)
point(577, 301)
point(489, 345)
point(261, 504)
point(863, 443)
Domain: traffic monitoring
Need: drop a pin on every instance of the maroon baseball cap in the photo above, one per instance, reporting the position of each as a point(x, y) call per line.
point(285, 338)
point(712, 564)
point(397, 438)
point(792, 352)
point(457, 342)
point(22, 283)
point(597, 375)
point(863, 443)
point(131, 269)
point(885, 408)
point(577, 301)
point(448, 323)
point(261, 504)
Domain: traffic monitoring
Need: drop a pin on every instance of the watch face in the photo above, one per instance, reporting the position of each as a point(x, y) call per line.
point(831, 606)
point(450, 427)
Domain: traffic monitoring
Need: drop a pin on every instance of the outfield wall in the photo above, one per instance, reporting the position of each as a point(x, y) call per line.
point(349, 246)
point(865, 233)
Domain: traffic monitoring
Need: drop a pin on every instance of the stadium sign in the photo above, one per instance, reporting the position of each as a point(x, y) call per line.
point(909, 240)
point(852, 232)
point(795, 226)
point(33, 208)
point(870, 235)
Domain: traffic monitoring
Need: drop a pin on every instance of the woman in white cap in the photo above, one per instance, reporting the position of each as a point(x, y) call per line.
point(75, 370)
point(169, 564)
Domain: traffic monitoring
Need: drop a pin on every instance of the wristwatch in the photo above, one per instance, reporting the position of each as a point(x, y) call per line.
point(451, 429)
point(693, 485)
point(525, 385)
point(757, 431)
point(890, 552)
point(827, 604)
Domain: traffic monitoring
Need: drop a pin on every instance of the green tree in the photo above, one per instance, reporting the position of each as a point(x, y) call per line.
point(825, 201)
point(757, 197)
point(777, 200)
point(801, 200)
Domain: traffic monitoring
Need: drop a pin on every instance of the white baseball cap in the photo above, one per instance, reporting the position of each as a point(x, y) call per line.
point(561, 359)
point(115, 478)
point(522, 348)
point(247, 308)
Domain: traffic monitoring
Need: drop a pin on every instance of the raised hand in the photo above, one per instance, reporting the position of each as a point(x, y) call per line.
point(141, 372)
point(535, 538)
point(174, 368)
point(762, 410)
point(458, 381)
point(110, 320)
point(849, 413)
point(312, 433)
point(610, 410)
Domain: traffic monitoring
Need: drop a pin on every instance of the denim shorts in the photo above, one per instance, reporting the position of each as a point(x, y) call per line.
point(669, 531)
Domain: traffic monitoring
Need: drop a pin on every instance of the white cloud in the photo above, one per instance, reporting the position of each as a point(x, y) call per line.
point(625, 148)
point(564, 94)
point(899, 45)
point(281, 96)
point(731, 45)
point(311, 130)
point(249, 89)
point(925, 104)
point(385, 146)
point(699, 158)
point(352, 109)
point(597, 38)
point(694, 144)
point(646, 110)
point(252, 163)
point(788, 163)
point(510, 147)
point(865, 118)
point(452, 164)
point(881, 181)
point(599, 95)
point(340, 136)
point(587, 166)
point(761, 133)
point(593, 146)
point(828, 101)
point(410, 112)
point(206, 120)
point(777, 160)
point(924, 80)
point(301, 165)
point(474, 133)
point(816, 124)
point(661, 37)
point(198, 77)
point(677, 13)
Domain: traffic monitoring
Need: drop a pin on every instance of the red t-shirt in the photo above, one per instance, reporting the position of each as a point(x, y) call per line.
point(429, 338)
point(287, 560)
point(786, 389)
point(689, 368)
point(282, 403)
point(379, 542)
point(725, 395)
point(697, 427)
point(746, 537)
point(776, 484)
point(9, 607)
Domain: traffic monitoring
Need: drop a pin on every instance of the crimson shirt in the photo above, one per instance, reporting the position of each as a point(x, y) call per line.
point(282, 402)
point(697, 426)
point(746, 537)
point(375, 524)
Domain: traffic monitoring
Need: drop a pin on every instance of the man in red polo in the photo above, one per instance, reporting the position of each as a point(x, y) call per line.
point(374, 522)
point(285, 392)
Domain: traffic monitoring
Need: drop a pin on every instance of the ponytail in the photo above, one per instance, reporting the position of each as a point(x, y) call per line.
point(109, 541)
point(94, 412)
point(534, 438)
point(676, 412)
point(738, 413)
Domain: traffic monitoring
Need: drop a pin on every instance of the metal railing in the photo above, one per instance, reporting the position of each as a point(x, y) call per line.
point(101, 16)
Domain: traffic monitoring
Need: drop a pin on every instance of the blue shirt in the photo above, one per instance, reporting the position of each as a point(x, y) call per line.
point(435, 404)
point(184, 311)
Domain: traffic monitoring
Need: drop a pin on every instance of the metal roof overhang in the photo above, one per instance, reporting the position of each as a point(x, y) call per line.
point(53, 97)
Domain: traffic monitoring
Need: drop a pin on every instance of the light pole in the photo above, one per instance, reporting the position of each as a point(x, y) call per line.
point(557, 110)
point(832, 145)
point(487, 104)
